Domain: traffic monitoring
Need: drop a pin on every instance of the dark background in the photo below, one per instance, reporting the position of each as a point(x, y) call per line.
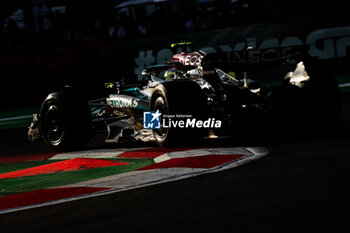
point(46, 44)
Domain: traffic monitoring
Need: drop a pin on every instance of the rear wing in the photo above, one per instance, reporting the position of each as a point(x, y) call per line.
point(254, 59)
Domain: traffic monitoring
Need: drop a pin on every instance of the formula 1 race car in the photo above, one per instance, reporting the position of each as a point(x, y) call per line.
point(194, 96)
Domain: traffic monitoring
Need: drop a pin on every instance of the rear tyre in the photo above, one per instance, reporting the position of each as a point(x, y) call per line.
point(65, 121)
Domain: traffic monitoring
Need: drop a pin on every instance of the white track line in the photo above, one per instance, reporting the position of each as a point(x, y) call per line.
point(98, 153)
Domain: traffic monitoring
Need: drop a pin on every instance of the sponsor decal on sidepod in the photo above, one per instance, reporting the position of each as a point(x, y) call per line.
point(122, 102)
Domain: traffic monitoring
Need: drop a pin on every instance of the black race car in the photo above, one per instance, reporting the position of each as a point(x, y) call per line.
point(194, 96)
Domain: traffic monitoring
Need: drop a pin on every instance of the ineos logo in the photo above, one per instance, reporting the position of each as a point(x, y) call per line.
point(193, 59)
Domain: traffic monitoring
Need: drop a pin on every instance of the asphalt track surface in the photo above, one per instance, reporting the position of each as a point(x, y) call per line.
point(302, 185)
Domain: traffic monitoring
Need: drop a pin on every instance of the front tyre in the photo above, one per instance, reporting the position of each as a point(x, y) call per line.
point(179, 98)
point(65, 121)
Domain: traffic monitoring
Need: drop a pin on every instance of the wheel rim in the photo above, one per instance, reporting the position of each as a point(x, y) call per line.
point(54, 124)
point(160, 105)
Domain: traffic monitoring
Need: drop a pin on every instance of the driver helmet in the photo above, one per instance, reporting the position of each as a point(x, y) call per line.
point(170, 74)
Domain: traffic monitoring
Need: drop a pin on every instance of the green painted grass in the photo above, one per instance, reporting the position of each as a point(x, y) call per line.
point(343, 78)
point(15, 124)
point(31, 183)
point(18, 112)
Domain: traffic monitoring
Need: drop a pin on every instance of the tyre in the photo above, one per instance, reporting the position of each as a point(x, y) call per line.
point(65, 121)
point(180, 97)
